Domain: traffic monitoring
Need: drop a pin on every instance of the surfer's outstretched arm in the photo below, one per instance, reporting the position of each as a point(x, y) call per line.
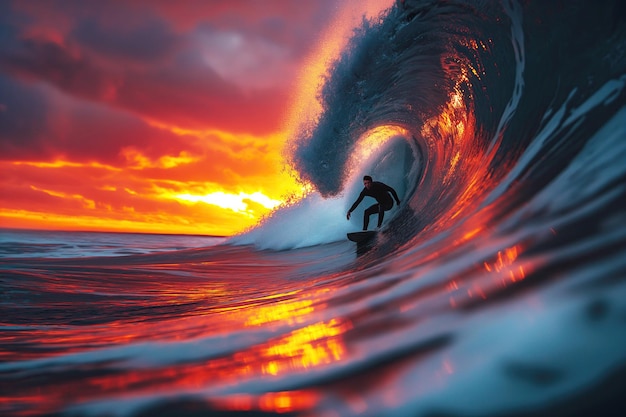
point(356, 203)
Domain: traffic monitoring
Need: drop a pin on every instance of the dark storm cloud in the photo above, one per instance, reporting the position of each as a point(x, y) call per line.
point(185, 93)
point(150, 41)
point(23, 111)
point(35, 59)
point(141, 64)
point(145, 56)
point(37, 123)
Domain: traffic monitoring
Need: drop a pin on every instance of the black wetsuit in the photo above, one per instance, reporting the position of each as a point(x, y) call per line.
point(380, 192)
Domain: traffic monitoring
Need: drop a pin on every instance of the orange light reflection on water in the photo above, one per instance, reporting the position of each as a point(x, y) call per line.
point(504, 264)
point(289, 312)
point(462, 164)
point(278, 402)
point(504, 270)
point(308, 347)
point(309, 344)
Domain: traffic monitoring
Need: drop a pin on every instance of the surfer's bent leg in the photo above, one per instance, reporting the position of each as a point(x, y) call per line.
point(381, 212)
point(366, 216)
point(381, 215)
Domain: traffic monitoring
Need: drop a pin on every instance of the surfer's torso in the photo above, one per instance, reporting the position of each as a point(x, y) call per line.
point(379, 191)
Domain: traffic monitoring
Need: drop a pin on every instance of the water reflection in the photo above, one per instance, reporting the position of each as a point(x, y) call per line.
point(314, 345)
point(506, 266)
point(277, 402)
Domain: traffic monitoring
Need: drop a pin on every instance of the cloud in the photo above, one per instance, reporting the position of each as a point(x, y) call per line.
point(38, 123)
point(22, 119)
point(151, 41)
point(228, 65)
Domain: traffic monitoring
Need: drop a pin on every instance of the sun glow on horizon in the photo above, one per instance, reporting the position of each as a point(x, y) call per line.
point(235, 202)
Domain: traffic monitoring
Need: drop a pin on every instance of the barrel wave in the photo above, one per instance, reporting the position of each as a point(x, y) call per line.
point(496, 287)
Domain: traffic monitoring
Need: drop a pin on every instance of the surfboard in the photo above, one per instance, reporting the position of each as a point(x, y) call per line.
point(362, 237)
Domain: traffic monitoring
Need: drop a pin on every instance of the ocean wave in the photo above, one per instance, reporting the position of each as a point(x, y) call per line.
point(497, 287)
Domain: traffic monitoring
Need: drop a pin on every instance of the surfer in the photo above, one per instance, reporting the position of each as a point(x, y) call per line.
point(381, 192)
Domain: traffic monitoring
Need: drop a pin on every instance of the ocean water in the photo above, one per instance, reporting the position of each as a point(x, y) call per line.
point(497, 287)
point(16, 243)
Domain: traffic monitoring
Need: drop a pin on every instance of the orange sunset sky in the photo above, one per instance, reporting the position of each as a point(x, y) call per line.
point(155, 115)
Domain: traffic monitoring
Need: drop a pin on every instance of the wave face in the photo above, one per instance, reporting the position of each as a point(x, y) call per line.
point(496, 288)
